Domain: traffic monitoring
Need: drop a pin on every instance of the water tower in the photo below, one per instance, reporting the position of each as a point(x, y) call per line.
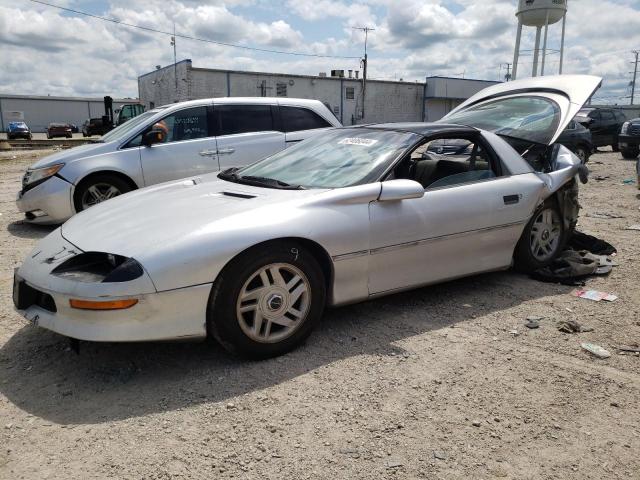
point(539, 13)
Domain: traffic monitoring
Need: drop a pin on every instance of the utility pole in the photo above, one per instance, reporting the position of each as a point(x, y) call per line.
point(175, 65)
point(635, 74)
point(507, 77)
point(366, 31)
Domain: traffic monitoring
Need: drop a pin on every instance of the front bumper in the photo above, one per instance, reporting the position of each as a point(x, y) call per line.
point(625, 141)
point(43, 299)
point(51, 202)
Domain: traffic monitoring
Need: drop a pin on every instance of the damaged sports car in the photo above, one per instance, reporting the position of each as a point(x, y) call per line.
point(252, 256)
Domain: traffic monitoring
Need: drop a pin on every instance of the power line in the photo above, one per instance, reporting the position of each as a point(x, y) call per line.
point(188, 37)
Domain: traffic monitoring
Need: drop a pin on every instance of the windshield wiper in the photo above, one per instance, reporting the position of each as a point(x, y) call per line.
point(231, 175)
point(270, 182)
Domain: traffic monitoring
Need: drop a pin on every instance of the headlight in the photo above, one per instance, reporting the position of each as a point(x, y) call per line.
point(40, 174)
point(625, 127)
point(96, 267)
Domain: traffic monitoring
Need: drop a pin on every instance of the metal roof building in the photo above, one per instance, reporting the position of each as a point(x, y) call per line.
point(384, 100)
point(40, 111)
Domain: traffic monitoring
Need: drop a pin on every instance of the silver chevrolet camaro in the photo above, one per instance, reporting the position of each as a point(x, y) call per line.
point(253, 255)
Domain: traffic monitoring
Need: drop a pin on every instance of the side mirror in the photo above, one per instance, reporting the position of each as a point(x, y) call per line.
point(153, 136)
point(400, 190)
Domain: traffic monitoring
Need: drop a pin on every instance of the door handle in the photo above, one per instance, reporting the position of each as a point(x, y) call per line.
point(511, 199)
point(226, 151)
point(207, 153)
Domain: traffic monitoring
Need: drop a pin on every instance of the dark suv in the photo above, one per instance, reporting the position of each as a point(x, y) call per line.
point(629, 139)
point(577, 138)
point(604, 124)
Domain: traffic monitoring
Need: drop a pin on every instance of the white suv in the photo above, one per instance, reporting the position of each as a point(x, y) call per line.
point(167, 143)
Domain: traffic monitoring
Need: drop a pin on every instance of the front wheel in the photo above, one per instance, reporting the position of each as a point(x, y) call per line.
point(98, 189)
point(541, 241)
point(267, 300)
point(630, 153)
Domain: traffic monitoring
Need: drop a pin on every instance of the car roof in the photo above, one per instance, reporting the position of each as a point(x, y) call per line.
point(247, 100)
point(420, 128)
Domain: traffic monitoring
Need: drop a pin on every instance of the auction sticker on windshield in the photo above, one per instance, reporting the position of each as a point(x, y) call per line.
point(366, 142)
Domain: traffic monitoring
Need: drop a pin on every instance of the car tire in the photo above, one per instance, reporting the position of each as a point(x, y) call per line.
point(630, 153)
point(289, 304)
point(615, 146)
point(90, 190)
point(48, 136)
point(542, 239)
point(582, 153)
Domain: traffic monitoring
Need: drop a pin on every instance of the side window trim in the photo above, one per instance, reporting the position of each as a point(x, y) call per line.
point(495, 164)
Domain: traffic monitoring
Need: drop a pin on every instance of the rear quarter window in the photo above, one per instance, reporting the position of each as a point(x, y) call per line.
point(298, 118)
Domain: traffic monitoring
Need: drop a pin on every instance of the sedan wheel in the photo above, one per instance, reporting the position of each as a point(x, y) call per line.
point(97, 193)
point(542, 240)
point(267, 300)
point(273, 302)
point(97, 189)
point(545, 233)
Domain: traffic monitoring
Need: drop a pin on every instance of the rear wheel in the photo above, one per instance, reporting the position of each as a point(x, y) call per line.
point(267, 301)
point(542, 239)
point(98, 189)
point(630, 153)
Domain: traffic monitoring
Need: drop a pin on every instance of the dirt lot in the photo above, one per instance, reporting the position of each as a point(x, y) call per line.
point(425, 384)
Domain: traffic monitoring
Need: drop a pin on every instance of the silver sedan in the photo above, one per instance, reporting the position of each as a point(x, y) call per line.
point(253, 255)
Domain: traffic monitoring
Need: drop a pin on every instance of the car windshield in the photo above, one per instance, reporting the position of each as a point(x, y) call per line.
point(333, 159)
point(533, 119)
point(18, 124)
point(122, 130)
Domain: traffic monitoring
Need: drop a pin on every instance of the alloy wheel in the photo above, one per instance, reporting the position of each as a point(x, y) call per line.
point(545, 235)
point(273, 303)
point(97, 193)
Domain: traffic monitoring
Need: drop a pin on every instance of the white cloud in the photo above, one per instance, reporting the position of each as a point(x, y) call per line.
point(46, 52)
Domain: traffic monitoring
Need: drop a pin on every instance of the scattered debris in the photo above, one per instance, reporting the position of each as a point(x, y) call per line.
point(571, 326)
point(439, 455)
point(515, 333)
point(596, 350)
point(629, 348)
point(582, 241)
point(604, 215)
point(600, 178)
point(615, 404)
point(571, 266)
point(393, 464)
point(532, 323)
point(628, 181)
point(633, 227)
point(594, 295)
point(476, 423)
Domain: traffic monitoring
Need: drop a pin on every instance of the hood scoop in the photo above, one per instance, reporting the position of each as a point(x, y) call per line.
point(245, 196)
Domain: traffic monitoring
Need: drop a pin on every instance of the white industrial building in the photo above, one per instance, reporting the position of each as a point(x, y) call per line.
point(38, 112)
point(384, 101)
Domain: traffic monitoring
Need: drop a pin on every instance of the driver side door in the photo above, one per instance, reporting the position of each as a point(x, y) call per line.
point(468, 221)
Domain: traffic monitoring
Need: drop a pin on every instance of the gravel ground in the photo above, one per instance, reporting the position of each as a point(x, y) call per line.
point(425, 384)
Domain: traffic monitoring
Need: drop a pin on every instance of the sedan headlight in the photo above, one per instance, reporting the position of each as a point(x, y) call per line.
point(625, 127)
point(39, 175)
point(98, 267)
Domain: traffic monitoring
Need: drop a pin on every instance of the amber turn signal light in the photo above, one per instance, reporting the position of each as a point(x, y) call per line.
point(106, 305)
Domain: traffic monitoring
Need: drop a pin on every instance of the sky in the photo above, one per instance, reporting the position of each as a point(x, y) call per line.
point(46, 51)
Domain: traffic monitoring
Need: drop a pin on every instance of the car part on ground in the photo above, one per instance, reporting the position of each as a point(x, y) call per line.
point(252, 255)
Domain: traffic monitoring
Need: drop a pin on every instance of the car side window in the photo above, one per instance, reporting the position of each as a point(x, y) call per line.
point(447, 162)
point(595, 115)
point(606, 115)
point(232, 119)
point(295, 119)
point(187, 124)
